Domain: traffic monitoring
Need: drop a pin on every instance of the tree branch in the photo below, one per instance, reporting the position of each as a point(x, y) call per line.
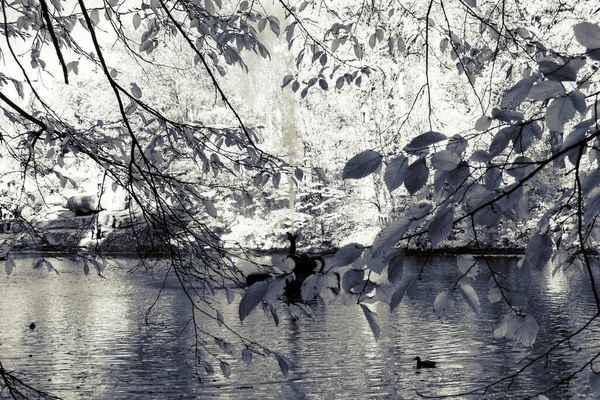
point(54, 40)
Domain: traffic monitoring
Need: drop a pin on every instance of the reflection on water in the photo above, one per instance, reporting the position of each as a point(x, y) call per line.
point(92, 339)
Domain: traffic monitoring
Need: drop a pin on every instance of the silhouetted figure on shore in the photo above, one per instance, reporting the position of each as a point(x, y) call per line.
point(304, 266)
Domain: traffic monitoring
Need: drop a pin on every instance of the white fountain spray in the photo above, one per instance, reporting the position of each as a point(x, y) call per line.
point(280, 114)
point(287, 117)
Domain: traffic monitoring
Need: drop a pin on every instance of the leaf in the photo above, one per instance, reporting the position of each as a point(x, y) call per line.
point(444, 44)
point(546, 90)
point(210, 208)
point(229, 295)
point(253, 296)
point(321, 174)
point(481, 156)
point(136, 91)
point(323, 84)
point(467, 263)
point(73, 66)
point(440, 227)
point(539, 250)
point(276, 287)
point(137, 20)
point(417, 211)
point(457, 144)
point(38, 264)
point(335, 44)
point(370, 315)
point(578, 100)
point(284, 363)
point(514, 96)
point(310, 289)
point(493, 178)
point(390, 235)
point(374, 262)
point(286, 80)
point(523, 329)
point(86, 267)
point(395, 172)
point(521, 167)
point(395, 268)
point(443, 305)
point(587, 34)
point(559, 72)
point(595, 383)
point(501, 140)
point(226, 368)
point(526, 137)
point(353, 278)
point(95, 17)
point(401, 45)
point(416, 176)
point(50, 267)
point(559, 112)
point(372, 41)
point(362, 164)
point(247, 356)
point(397, 297)
point(210, 7)
point(208, 368)
point(423, 141)
point(274, 25)
point(494, 295)
point(445, 160)
point(299, 174)
point(9, 265)
point(507, 116)
point(347, 254)
point(470, 297)
point(303, 6)
point(219, 318)
point(358, 51)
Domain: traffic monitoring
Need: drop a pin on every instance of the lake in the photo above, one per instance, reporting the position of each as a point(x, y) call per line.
point(95, 338)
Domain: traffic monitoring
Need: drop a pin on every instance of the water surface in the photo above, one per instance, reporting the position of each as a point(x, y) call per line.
point(96, 338)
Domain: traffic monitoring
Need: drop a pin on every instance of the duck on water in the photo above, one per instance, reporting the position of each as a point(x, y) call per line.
point(424, 363)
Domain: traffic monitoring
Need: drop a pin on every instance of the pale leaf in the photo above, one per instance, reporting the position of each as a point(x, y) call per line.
point(284, 363)
point(443, 305)
point(347, 254)
point(470, 297)
point(397, 297)
point(9, 265)
point(539, 250)
point(371, 319)
point(587, 34)
point(226, 368)
point(483, 123)
point(440, 227)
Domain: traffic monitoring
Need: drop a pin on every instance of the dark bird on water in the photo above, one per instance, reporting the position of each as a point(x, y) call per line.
point(32, 326)
point(424, 363)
